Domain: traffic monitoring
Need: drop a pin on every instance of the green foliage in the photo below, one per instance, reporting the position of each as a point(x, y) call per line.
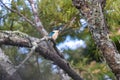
point(93, 71)
point(55, 12)
point(32, 72)
point(113, 14)
point(113, 19)
point(13, 21)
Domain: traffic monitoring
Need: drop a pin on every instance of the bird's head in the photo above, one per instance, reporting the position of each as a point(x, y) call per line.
point(59, 28)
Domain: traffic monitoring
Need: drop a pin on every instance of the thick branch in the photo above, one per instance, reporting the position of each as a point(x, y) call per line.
point(15, 39)
point(92, 10)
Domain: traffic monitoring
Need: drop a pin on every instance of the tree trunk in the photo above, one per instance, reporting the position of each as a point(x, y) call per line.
point(7, 70)
point(93, 12)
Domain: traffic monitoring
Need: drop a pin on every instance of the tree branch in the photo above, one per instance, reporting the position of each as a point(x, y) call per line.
point(38, 25)
point(17, 12)
point(37, 21)
point(18, 39)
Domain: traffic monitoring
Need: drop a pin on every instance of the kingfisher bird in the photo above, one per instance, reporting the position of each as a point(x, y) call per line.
point(54, 34)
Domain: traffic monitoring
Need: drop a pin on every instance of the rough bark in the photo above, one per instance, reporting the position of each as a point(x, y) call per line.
point(93, 12)
point(7, 70)
point(17, 39)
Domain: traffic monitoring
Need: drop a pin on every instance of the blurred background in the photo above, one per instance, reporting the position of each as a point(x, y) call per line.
point(75, 41)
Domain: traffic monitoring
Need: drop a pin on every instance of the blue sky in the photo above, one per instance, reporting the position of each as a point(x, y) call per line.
point(71, 43)
point(7, 2)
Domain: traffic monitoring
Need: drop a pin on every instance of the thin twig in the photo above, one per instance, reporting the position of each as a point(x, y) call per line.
point(28, 56)
point(17, 12)
point(70, 23)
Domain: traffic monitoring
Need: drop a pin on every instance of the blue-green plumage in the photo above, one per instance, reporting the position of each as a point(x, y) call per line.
point(54, 34)
point(51, 34)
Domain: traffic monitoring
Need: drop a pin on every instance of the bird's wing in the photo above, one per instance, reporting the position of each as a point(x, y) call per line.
point(51, 33)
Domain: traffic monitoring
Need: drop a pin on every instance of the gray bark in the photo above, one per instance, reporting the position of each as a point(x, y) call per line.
point(7, 70)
